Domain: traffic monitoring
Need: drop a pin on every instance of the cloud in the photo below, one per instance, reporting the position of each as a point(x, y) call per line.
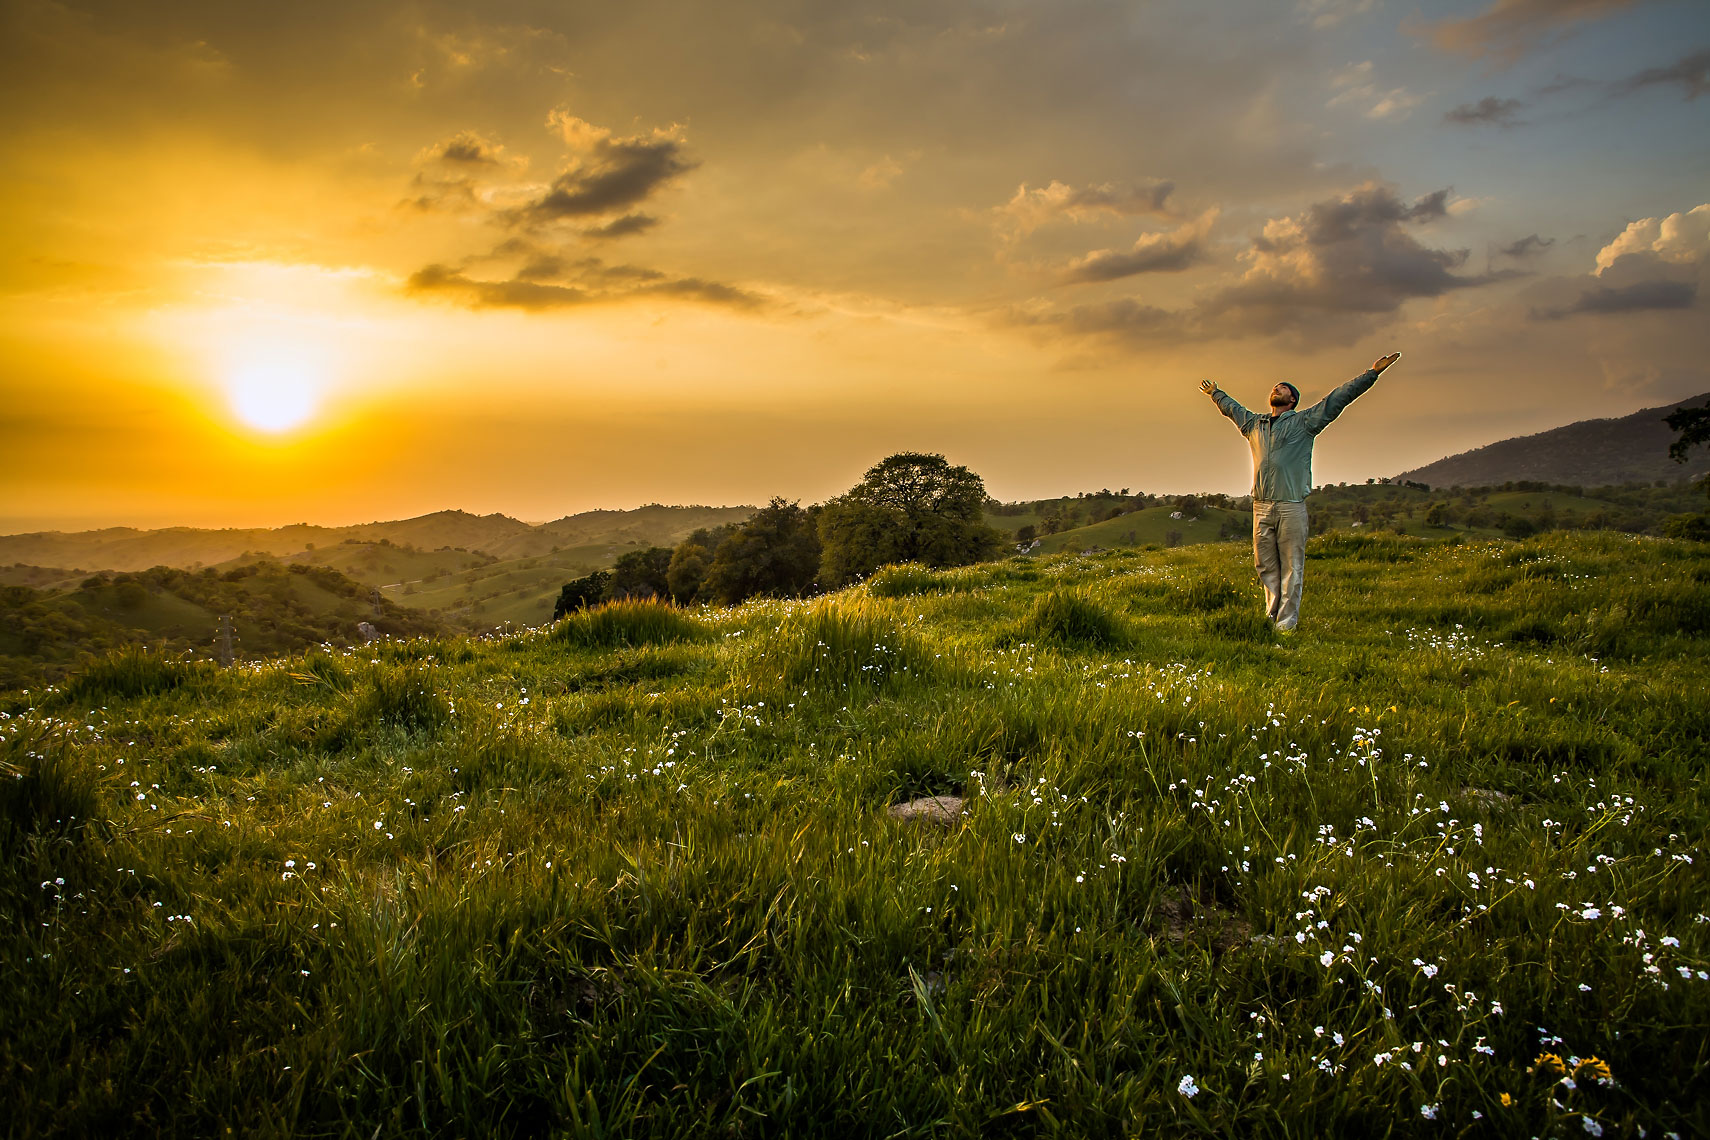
point(512, 294)
point(531, 270)
point(1655, 264)
point(881, 174)
point(609, 174)
point(1325, 274)
point(1641, 296)
point(1529, 246)
point(1328, 13)
point(1680, 238)
point(1030, 209)
point(466, 148)
point(1342, 260)
point(584, 282)
point(1508, 28)
point(454, 170)
point(1487, 111)
point(623, 227)
point(1355, 87)
point(1124, 318)
point(1691, 72)
point(1152, 253)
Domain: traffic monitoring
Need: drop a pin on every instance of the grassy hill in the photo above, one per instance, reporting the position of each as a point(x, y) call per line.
point(640, 874)
point(499, 536)
point(1513, 510)
point(274, 609)
point(1628, 449)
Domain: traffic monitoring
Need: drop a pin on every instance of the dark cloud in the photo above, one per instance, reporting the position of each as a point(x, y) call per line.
point(614, 175)
point(1324, 274)
point(529, 269)
point(1641, 296)
point(1152, 253)
point(712, 292)
point(1362, 211)
point(1691, 72)
point(548, 282)
point(466, 148)
point(434, 194)
point(1508, 28)
point(1167, 254)
point(1489, 110)
point(543, 268)
point(1529, 246)
point(623, 227)
point(513, 294)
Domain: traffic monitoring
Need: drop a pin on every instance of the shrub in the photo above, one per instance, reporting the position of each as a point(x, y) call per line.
point(1071, 619)
point(134, 672)
point(833, 646)
point(898, 581)
point(633, 622)
point(913, 578)
point(41, 793)
point(404, 698)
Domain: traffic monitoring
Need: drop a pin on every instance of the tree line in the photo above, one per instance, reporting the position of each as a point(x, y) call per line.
point(909, 507)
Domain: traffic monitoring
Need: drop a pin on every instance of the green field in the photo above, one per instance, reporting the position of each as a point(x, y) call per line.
point(1431, 865)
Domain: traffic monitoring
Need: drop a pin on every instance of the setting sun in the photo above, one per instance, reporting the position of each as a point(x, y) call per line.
point(273, 395)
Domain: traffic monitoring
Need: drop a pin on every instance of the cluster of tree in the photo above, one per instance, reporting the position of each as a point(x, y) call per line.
point(909, 507)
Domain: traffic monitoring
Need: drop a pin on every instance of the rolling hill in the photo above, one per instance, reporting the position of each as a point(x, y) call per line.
point(127, 548)
point(1590, 453)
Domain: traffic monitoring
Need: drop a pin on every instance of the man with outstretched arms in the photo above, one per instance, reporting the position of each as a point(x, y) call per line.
point(1282, 476)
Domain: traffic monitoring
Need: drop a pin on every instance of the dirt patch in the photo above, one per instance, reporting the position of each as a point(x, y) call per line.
point(1200, 921)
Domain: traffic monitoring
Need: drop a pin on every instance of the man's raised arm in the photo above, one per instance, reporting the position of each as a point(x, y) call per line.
point(1319, 415)
point(1229, 406)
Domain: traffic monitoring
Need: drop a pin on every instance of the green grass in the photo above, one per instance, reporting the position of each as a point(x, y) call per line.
point(635, 875)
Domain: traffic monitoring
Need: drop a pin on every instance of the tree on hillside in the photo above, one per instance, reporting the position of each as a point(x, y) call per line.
point(581, 593)
point(688, 569)
point(1693, 424)
point(776, 552)
point(910, 507)
point(640, 574)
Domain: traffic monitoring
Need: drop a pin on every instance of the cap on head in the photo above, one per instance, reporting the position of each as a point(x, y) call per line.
point(1292, 390)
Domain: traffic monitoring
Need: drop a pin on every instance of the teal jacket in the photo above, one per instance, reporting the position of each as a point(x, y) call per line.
point(1282, 444)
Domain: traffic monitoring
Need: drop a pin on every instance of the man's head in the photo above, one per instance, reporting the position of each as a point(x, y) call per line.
point(1284, 396)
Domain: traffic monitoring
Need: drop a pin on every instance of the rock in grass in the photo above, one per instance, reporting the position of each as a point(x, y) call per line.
point(934, 809)
point(1485, 798)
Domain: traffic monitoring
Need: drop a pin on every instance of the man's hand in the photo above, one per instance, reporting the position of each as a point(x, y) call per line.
point(1383, 362)
point(1207, 387)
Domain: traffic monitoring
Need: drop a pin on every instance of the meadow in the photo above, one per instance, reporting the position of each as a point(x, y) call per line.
point(1430, 865)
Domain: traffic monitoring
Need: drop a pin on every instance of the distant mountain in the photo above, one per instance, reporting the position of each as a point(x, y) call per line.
point(129, 549)
point(1590, 453)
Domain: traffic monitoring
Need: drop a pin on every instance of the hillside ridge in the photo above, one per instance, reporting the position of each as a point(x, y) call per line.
point(126, 548)
point(1591, 453)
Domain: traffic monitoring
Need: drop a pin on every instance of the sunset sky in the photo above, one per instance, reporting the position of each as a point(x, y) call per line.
point(336, 262)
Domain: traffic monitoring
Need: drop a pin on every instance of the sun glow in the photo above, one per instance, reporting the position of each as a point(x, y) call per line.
point(273, 394)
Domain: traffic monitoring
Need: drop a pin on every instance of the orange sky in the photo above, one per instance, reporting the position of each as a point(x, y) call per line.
point(310, 263)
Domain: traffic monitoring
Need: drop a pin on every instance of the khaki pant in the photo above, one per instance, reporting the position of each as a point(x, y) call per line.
point(1279, 553)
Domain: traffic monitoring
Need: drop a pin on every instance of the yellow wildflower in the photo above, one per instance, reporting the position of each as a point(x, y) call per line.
point(1549, 1064)
point(1507, 1101)
point(1593, 1069)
